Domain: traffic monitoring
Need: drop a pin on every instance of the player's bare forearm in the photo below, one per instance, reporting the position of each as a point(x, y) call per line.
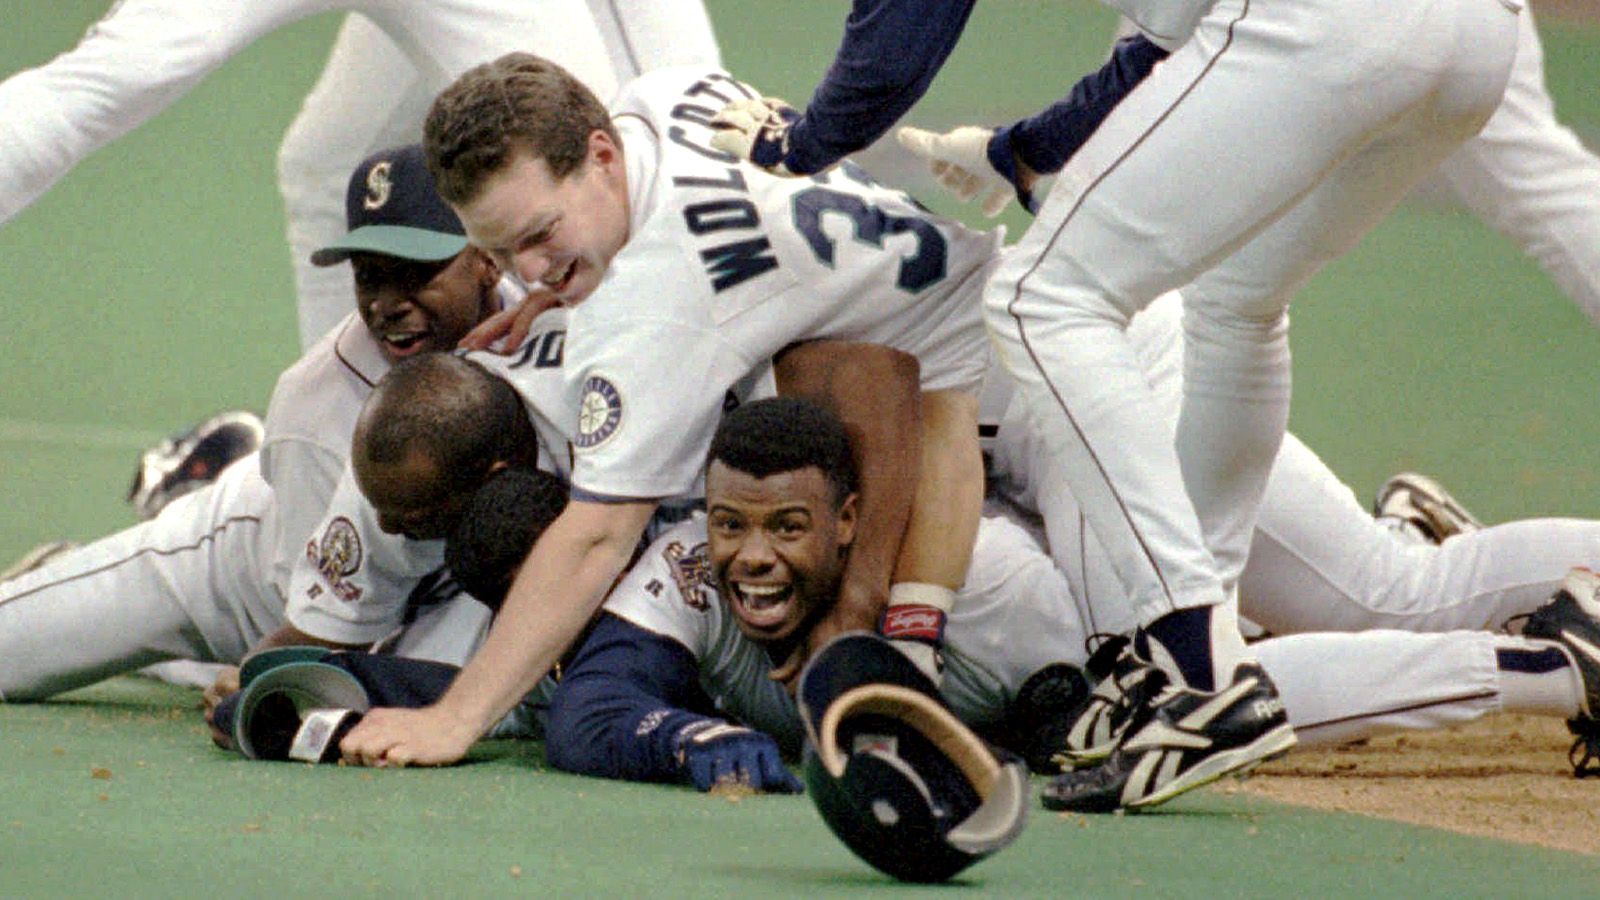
point(874, 391)
point(557, 590)
point(949, 496)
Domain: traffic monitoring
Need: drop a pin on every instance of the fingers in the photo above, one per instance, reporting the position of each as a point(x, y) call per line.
point(373, 742)
point(916, 140)
point(489, 330)
point(996, 202)
point(532, 307)
point(776, 777)
point(227, 682)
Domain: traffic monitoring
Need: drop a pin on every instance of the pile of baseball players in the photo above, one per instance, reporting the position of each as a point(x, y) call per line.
point(701, 489)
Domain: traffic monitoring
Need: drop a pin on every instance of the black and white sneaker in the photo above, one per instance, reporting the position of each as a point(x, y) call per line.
point(1182, 740)
point(1419, 505)
point(192, 460)
point(1122, 683)
point(1572, 619)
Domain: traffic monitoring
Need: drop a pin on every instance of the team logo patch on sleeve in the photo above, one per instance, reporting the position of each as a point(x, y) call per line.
point(691, 572)
point(337, 556)
point(599, 413)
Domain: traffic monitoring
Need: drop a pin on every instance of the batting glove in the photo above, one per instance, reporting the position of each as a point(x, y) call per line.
point(713, 752)
point(970, 161)
point(757, 130)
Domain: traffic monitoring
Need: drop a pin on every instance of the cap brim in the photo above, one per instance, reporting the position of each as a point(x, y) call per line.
point(392, 240)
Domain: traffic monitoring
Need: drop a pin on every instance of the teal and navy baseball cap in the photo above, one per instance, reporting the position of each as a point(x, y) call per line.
point(392, 208)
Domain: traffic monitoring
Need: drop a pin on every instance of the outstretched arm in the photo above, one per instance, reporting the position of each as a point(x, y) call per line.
point(555, 593)
point(622, 712)
point(874, 391)
point(890, 53)
point(996, 162)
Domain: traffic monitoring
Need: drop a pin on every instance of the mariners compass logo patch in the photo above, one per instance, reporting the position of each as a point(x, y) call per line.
point(599, 413)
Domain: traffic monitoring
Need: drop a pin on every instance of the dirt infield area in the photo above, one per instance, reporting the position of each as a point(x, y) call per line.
point(1504, 777)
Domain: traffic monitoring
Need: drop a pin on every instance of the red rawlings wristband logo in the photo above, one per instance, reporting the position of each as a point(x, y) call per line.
point(915, 622)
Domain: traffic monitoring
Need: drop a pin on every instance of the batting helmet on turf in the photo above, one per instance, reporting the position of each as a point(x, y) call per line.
point(296, 709)
point(897, 777)
point(298, 702)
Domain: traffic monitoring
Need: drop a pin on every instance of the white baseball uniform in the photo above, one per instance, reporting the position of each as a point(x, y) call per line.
point(1530, 178)
point(187, 584)
point(386, 66)
point(1318, 559)
point(1264, 146)
point(350, 581)
point(207, 578)
point(1017, 614)
point(725, 266)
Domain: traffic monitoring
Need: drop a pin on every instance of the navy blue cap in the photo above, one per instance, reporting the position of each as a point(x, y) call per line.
point(391, 207)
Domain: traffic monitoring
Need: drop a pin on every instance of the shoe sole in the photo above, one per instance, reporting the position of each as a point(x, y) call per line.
point(1083, 759)
point(1238, 761)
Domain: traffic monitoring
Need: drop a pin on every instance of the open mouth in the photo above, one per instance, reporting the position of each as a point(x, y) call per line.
point(557, 282)
point(764, 606)
point(405, 343)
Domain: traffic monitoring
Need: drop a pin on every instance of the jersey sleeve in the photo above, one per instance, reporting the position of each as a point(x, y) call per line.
point(620, 705)
point(648, 394)
point(1046, 141)
point(890, 53)
point(669, 590)
point(351, 581)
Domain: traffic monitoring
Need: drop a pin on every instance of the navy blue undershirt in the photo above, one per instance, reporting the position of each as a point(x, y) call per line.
point(891, 51)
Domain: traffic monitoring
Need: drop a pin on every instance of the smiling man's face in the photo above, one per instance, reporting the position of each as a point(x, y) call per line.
point(415, 307)
point(777, 546)
point(555, 234)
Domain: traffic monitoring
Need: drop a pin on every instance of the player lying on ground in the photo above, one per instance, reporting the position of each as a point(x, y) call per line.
point(686, 272)
point(1506, 570)
point(209, 578)
point(439, 426)
point(714, 599)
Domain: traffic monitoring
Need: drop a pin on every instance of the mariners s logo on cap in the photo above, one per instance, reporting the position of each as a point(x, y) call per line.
point(392, 208)
point(599, 413)
point(378, 186)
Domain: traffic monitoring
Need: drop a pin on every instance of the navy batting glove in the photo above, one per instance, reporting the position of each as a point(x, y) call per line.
point(713, 752)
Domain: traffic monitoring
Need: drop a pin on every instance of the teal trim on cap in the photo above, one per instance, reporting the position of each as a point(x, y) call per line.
point(392, 240)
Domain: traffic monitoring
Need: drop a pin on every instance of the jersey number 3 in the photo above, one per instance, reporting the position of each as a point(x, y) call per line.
point(871, 224)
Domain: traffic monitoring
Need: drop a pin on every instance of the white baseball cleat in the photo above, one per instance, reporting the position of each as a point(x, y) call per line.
point(1418, 503)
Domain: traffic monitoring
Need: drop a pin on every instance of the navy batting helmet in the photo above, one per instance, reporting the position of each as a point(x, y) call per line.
point(897, 777)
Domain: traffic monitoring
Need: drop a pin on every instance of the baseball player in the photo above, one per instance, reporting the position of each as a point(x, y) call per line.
point(1324, 564)
point(686, 273)
point(1267, 143)
point(712, 600)
point(1524, 174)
point(206, 578)
point(393, 506)
point(387, 63)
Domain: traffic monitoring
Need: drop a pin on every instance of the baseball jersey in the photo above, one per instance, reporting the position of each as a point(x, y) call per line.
point(1013, 617)
point(724, 267)
point(351, 582)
